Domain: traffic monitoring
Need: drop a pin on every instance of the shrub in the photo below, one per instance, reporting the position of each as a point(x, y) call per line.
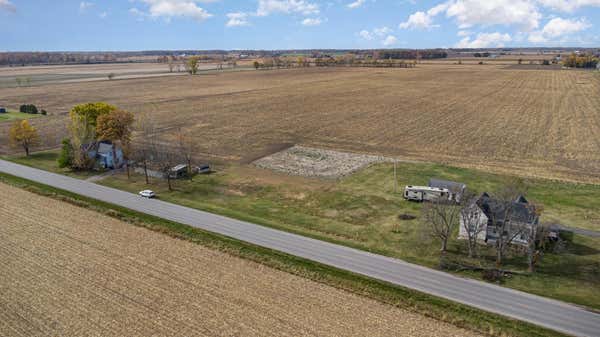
point(65, 159)
point(28, 109)
point(44, 112)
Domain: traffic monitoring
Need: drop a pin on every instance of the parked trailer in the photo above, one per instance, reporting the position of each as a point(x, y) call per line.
point(425, 193)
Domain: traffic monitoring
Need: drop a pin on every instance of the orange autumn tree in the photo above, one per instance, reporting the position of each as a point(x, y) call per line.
point(116, 126)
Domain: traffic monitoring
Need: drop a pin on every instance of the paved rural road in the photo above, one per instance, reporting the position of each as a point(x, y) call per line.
point(548, 313)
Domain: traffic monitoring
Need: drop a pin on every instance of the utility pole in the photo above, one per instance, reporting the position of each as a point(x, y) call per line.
point(395, 180)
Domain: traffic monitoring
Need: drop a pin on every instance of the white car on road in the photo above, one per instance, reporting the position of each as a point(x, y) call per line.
point(147, 194)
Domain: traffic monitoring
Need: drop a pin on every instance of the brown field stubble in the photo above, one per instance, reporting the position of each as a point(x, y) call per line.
point(69, 271)
point(528, 122)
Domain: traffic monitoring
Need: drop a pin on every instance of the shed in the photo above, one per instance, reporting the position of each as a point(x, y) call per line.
point(456, 189)
point(178, 171)
point(2, 110)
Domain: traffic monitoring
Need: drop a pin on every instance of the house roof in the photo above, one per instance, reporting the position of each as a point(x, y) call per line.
point(449, 185)
point(104, 148)
point(496, 210)
point(179, 167)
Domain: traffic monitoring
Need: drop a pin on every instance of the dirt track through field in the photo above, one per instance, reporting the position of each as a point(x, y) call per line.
point(69, 271)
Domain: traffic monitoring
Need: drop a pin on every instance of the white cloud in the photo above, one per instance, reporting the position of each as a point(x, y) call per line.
point(423, 20)
point(267, 7)
point(377, 32)
point(7, 6)
point(365, 34)
point(569, 5)
point(85, 5)
point(311, 22)
point(356, 4)
point(169, 9)
point(390, 40)
point(237, 19)
point(468, 13)
point(103, 15)
point(463, 33)
point(485, 40)
point(556, 28)
point(384, 34)
point(418, 20)
point(381, 31)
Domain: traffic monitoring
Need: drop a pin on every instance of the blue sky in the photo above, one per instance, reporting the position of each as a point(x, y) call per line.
point(41, 25)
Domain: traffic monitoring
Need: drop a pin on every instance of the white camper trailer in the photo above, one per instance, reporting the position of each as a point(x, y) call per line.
point(425, 193)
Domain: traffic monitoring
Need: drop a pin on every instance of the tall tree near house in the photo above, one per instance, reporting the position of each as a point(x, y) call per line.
point(441, 217)
point(470, 221)
point(83, 137)
point(502, 212)
point(116, 126)
point(82, 129)
point(186, 146)
point(90, 112)
point(535, 234)
point(22, 134)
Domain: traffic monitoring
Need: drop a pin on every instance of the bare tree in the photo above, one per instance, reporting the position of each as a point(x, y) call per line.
point(441, 217)
point(505, 219)
point(536, 234)
point(145, 147)
point(165, 159)
point(186, 147)
point(470, 220)
point(170, 63)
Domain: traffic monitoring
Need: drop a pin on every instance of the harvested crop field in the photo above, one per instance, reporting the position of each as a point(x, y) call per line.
point(69, 271)
point(495, 117)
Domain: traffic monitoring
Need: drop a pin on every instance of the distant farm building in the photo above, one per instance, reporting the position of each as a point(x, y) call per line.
point(489, 215)
point(457, 190)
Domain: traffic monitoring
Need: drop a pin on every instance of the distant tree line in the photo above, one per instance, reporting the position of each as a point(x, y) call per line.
point(411, 54)
point(580, 61)
point(26, 58)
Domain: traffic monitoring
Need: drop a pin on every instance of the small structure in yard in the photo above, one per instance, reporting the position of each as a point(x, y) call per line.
point(203, 169)
point(425, 193)
point(107, 156)
point(489, 215)
point(179, 171)
point(3, 110)
point(457, 190)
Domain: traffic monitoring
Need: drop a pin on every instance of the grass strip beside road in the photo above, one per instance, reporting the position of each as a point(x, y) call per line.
point(431, 306)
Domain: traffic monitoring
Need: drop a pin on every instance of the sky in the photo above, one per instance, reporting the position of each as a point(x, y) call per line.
point(127, 25)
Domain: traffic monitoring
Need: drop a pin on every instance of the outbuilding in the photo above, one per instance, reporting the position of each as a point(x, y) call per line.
point(457, 190)
point(2, 110)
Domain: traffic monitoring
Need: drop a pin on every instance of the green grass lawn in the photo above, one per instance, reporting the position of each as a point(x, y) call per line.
point(15, 115)
point(362, 211)
point(47, 160)
point(461, 315)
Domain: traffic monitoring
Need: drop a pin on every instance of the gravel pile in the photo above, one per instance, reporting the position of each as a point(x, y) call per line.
point(313, 162)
